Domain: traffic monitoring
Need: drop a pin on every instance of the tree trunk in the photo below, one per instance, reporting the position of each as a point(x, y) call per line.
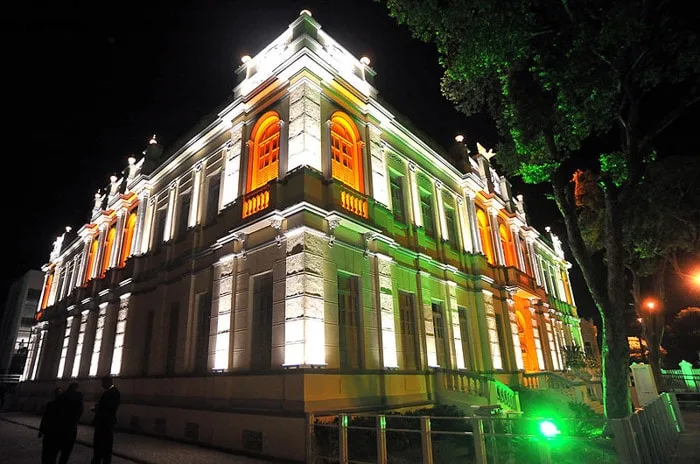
point(609, 297)
point(615, 347)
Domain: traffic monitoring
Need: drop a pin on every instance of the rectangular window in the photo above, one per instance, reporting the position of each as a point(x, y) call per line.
point(492, 325)
point(427, 210)
point(119, 334)
point(203, 322)
point(261, 338)
point(464, 334)
point(173, 323)
point(97, 346)
point(159, 232)
point(213, 197)
point(183, 215)
point(397, 198)
point(64, 349)
point(79, 346)
point(439, 330)
point(409, 336)
point(348, 321)
point(451, 221)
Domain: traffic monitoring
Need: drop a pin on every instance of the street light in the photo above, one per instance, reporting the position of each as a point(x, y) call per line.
point(650, 304)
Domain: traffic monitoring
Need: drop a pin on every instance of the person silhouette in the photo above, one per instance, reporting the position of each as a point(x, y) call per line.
point(105, 420)
point(71, 407)
point(49, 429)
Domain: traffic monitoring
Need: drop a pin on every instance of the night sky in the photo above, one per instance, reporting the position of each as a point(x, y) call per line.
point(89, 85)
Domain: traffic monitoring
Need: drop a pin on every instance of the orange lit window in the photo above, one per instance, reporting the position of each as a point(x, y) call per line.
point(108, 249)
point(91, 259)
point(47, 290)
point(346, 152)
point(484, 233)
point(265, 147)
point(507, 244)
point(128, 238)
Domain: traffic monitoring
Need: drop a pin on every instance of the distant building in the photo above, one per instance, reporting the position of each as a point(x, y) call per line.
point(589, 334)
point(302, 250)
point(17, 321)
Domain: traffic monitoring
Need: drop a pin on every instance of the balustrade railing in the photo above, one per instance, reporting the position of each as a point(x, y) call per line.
point(476, 384)
point(354, 203)
point(256, 201)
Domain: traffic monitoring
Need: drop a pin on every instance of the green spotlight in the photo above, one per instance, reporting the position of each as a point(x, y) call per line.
point(548, 429)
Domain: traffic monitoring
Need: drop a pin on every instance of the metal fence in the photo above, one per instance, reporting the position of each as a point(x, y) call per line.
point(471, 439)
point(648, 436)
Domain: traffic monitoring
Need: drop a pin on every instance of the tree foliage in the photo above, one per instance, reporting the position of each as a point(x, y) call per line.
point(556, 76)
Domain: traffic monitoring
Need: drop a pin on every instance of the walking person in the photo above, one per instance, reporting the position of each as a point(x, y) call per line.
point(49, 429)
point(105, 421)
point(71, 407)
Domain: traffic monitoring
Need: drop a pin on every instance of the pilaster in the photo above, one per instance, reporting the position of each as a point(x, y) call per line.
point(222, 298)
point(453, 317)
point(426, 304)
point(304, 293)
point(383, 290)
point(232, 167)
point(304, 126)
point(380, 183)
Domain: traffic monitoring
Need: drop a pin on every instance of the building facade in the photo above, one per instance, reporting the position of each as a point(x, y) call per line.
point(18, 320)
point(303, 251)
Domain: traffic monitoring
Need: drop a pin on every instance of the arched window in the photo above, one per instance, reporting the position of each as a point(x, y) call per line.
point(91, 258)
point(346, 152)
point(107, 254)
point(263, 164)
point(507, 245)
point(484, 233)
point(128, 238)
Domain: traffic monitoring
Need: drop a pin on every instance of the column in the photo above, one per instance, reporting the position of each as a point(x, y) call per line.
point(119, 334)
point(116, 254)
point(473, 226)
point(426, 314)
point(386, 309)
point(533, 260)
point(170, 212)
point(513, 319)
point(78, 352)
point(221, 306)
point(464, 225)
point(441, 211)
point(140, 242)
point(415, 195)
point(55, 284)
point(453, 316)
point(97, 345)
point(97, 267)
point(518, 250)
point(62, 371)
point(44, 291)
point(195, 208)
point(495, 237)
point(380, 182)
point(232, 167)
point(32, 352)
point(304, 334)
point(304, 126)
point(87, 241)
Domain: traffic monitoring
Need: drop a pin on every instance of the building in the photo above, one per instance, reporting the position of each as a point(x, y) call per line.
point(589, 335)
point(18, 320)
point(302, 251)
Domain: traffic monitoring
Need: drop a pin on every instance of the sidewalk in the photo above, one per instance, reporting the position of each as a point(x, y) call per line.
point(688, 448)
point(144, 449)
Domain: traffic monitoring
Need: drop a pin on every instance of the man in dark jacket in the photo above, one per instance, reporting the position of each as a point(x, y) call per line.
point(105, 421)
point(49, 429)
point(71, 409)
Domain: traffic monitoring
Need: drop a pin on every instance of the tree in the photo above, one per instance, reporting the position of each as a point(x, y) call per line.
point(662, 221)
point(683, 335)
point(554, 76)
